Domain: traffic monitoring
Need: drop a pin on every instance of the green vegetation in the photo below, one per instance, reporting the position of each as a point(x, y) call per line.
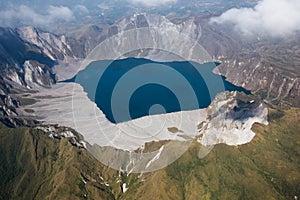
point(33, 166)
point(174, 130)
point(266, 168)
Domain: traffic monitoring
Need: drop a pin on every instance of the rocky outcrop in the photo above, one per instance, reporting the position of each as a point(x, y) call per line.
point(262, 79)
point(23, 62)
point(53, 46)
point(230, 119)
point(57, 132)
point(9, 109)
point(267, 67)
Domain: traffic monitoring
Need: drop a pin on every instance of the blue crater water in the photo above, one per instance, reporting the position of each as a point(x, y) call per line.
point(131, 88)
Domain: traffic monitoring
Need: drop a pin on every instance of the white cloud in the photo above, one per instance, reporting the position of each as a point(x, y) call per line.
point(275, 18)
point(24, 15)
point(81, 9)
point(152, 3)
point(103, 6)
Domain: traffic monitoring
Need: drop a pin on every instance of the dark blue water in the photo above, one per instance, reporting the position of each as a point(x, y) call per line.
point(132, 88)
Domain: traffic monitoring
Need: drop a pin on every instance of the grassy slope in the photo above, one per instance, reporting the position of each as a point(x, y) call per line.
point(34, 166)
point(267, 168)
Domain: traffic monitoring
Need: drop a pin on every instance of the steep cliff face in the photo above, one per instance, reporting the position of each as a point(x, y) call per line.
point(23, 62)
point(262, 79)
point(269, 67)
point(53, 46)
